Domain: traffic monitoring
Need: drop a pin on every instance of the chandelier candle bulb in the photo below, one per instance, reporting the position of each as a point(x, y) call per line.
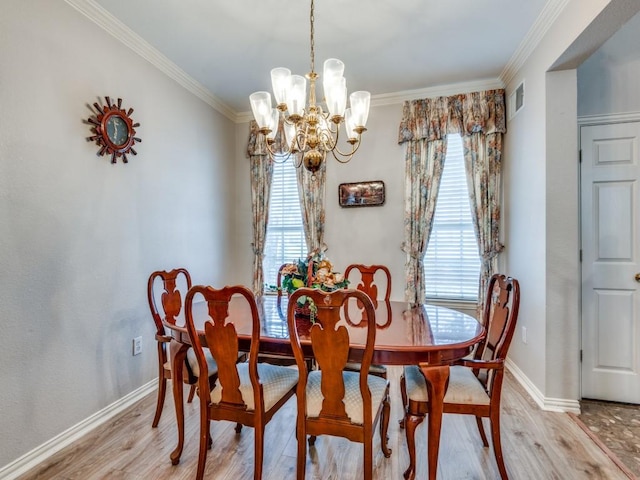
point(273, 125)
point(280, 81)
point(261, 108)
point(360, 102)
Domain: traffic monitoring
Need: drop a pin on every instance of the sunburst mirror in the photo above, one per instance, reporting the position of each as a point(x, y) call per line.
point(114, 130)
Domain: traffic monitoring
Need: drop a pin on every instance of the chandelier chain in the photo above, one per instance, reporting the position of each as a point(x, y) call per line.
point(311, 19)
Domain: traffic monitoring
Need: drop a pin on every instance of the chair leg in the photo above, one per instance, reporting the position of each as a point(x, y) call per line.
point(384, 427)
point(259, 452)
point(403, 394)
point(497, 444)
point(411, 422)
point(483, 436)
point(204, 443)
point(162, 390)
point(368, 458)
point(192, 392)
point(301, 459)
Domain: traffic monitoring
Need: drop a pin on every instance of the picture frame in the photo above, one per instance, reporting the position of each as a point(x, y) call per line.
point(361, 194)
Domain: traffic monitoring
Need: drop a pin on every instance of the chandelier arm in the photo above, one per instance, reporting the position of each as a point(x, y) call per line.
point(345, 156)
point(277, 156)
point(329, 139)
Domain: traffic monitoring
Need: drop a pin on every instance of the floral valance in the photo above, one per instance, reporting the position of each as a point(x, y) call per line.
point(466, 113)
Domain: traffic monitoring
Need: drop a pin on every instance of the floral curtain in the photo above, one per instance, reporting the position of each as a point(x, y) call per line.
point(311, 189)
point(261, 171)
point(482, 155)
point(424, 164)
point(479, 117)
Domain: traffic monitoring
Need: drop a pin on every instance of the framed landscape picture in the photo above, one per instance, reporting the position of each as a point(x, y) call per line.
point(361, 194)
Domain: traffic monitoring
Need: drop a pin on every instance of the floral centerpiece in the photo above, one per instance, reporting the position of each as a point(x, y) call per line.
point(316, 271)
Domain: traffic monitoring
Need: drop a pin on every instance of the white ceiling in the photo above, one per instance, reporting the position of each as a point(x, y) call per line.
point(229, 47)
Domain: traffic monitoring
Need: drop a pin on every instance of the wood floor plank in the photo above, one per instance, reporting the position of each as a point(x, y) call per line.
point(537, 445)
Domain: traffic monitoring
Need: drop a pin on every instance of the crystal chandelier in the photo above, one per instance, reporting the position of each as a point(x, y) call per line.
point(307, 129)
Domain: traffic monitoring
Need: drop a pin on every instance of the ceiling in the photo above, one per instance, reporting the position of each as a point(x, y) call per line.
point(229, 47)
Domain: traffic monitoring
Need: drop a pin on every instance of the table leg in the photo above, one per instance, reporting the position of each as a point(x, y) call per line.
point(437, 377)
point(178, 354)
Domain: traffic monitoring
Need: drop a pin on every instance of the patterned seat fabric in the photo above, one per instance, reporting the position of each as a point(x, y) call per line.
point(276, 381)
point(464, 386)
point(352, 398)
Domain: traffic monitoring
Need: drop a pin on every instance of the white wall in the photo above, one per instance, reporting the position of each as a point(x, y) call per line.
point(608, 80)
point(541, 198)
point(80, 236)
point(369, 235)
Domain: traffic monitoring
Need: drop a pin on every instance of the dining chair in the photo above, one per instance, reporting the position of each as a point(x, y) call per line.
point(280, 359)
point(173, 285)
point(475, 384)
point(330, 400)
point(369, 278)
point(247, 393)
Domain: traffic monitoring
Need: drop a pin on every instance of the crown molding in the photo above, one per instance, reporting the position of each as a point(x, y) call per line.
point(547, 17)
point(113, 26)
point(128, 37)
point(398, 98)
point(437, 91)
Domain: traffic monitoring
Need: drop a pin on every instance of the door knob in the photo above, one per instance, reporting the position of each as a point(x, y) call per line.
point(637, 277)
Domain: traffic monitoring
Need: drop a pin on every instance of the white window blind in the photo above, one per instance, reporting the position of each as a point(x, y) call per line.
point(452, 264)
point(285, 235)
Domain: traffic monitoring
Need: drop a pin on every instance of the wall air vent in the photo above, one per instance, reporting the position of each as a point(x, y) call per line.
point(516, 101)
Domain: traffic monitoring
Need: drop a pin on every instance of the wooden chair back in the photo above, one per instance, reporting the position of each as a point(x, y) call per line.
point(372, 280)
point(500, 316)
point(368, 280)
point(222, 341)
point(173, 285)
point(330, 345)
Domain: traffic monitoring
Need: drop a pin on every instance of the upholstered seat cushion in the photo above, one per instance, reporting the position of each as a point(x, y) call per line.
point(276, 382)
point(373, 369)
point(212, 366)
point(352, 398)
point(464, 387)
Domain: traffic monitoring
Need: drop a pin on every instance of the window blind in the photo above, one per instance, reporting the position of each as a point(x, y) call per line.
point(452, 263)
point(285, 235)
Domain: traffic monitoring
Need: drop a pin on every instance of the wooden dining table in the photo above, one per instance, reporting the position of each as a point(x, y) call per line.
point(429, 336)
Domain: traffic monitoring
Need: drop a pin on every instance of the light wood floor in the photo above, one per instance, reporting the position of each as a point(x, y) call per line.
point(537, 445)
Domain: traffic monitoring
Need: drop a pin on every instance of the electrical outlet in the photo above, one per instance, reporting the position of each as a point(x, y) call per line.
point(524, 335)
point(137, 346)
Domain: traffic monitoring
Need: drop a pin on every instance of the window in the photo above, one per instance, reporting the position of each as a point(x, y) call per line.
point(452, 263)
point(285, 235)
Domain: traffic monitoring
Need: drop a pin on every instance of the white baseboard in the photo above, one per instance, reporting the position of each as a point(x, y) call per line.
point(39, 454)
point(545, 403)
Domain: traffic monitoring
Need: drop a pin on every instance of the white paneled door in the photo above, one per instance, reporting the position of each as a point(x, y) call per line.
point(610, 209)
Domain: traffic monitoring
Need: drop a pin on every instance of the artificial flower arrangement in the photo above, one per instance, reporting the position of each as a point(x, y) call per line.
point(316, 271)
